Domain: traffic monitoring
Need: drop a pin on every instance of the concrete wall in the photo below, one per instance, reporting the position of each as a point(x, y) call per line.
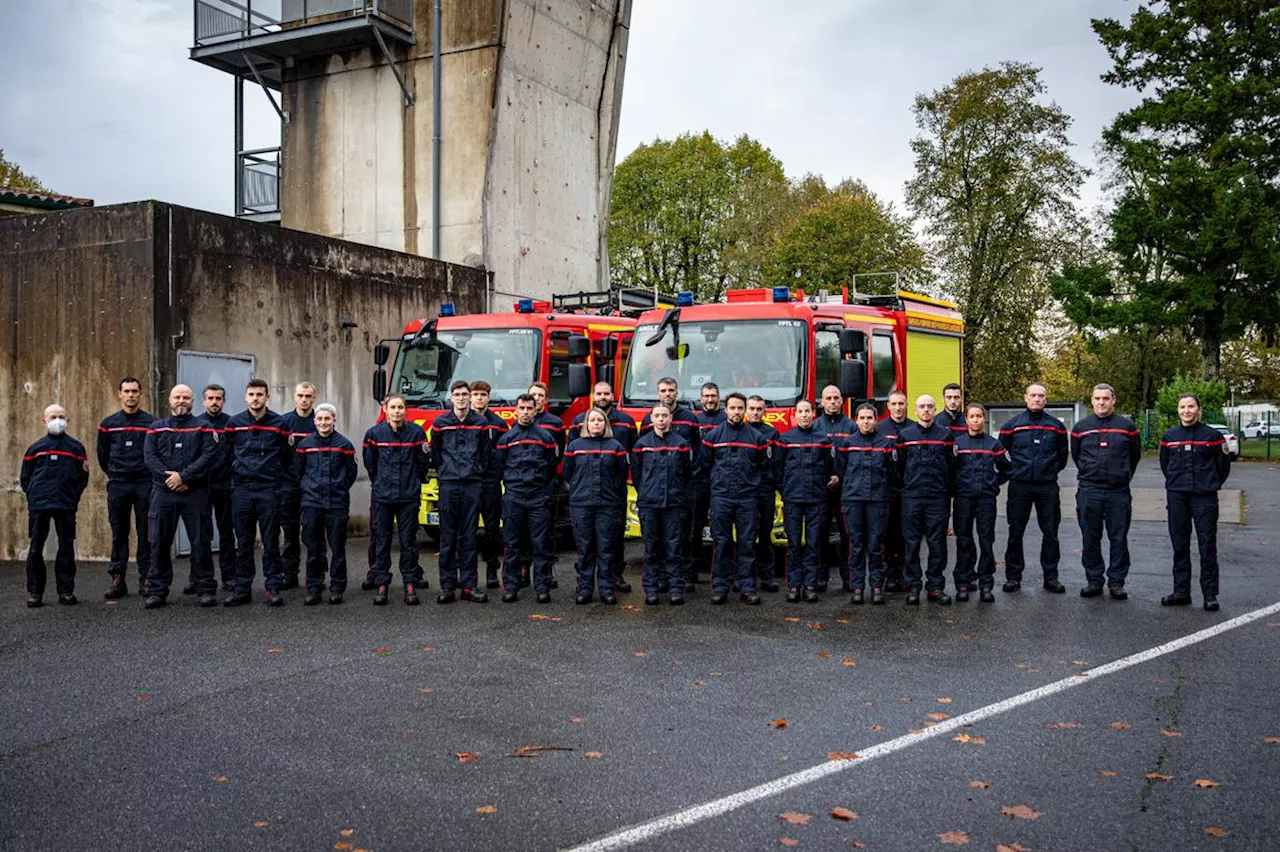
point(530, 99)
point(93, 295)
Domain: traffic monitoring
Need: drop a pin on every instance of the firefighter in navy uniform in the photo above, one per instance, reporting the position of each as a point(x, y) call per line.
point(982, 466)
point(527, 455)
point(180, 450)
point(737, 456)
point(1196, 461)
point(325, 464)
point(624, 430)
point(595, 467)
point(55, 471)
point(708, 416)
point(838, 426)
point(894, 543)
point(490, 488)
point(460, 453)
point(219, 505)
point(767, 505)
point(660, 463)
point(300, 422)
point(1106, 449)
point(1037, 443)
point(554, 425)
point(867, 466)
point(120, 438)
point(927, 461)
point(954, 413)
point(803, 467)
point(258, 442)
point(395, 456)
point(685, 424)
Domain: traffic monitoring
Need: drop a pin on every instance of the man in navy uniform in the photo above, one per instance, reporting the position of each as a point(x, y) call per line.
point(767, 507)
point(709, 416)
point(953, 414)
point(300, 422)
point(490, 488)
point(527, 456)
point(120, 438)
point(838, 426)
point(1037, 443)
point(982, 466)
point(927, 462)
point(685, 424)
point(894, 543)
point(736, 455)
point(220, 510)
point(55, 471)
point(660, 463)
point(460, 453)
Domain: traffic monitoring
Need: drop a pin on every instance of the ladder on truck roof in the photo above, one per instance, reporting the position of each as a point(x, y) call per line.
point(620, 301)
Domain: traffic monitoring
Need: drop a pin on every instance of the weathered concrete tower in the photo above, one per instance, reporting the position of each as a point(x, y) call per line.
point(506, 125)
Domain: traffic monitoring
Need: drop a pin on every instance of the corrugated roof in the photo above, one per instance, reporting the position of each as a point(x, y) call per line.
point(40, 198)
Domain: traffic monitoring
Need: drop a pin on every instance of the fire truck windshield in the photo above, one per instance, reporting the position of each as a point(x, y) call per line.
point(506, 358)
point(765, 357)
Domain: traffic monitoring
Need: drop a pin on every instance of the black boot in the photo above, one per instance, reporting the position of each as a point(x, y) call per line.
point(380, 597)
point(1176, 599)
point(119, 588)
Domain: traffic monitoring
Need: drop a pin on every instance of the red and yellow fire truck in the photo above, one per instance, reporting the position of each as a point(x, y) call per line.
point(785, 346)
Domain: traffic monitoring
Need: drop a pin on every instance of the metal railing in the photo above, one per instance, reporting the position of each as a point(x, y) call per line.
point(259, 173)
point(225, 20)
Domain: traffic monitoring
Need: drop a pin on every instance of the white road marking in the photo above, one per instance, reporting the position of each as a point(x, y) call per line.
point(683, 818)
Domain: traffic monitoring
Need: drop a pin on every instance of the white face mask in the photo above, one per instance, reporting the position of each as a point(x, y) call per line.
point(56, 426)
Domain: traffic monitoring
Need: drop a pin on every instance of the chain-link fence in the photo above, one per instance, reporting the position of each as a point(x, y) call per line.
point(1258, 434)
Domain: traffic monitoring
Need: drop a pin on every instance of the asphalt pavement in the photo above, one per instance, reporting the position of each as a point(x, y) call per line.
point(403, 728)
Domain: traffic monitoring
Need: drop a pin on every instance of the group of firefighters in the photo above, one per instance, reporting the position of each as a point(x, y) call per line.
point(891, 486)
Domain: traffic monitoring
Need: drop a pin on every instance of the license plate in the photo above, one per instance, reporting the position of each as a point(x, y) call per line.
point(433, 518)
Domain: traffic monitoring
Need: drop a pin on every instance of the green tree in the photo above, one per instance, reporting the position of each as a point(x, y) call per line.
point(11, 174)
point(1213, 397)
point(1197, 225)
point(1251, 368)
point(993, 181)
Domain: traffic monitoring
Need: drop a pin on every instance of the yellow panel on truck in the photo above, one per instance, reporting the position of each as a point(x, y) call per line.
point(935, 346)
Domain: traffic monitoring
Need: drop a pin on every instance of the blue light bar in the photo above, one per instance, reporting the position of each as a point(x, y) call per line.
point(781, 294)
point(525, 306)
point(448, 310)
point(684, 299)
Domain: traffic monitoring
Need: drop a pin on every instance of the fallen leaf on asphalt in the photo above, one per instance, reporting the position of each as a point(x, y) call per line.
point(842, 621)
point(1215, 831)
point(979, 785)
point(1021, 812)
point(905, 699)
point(815, 625)
point(341, 845)
point(970, 636)
point(1121, 726)
point(778, 723)
point(428, 650)
point(944, 700)
point(640, 654)
point(1168, 733)
point(358, 849)
point(1053, 726)
point(275, 650)
point(699, 683)
point(144, 697)
point(262, 823)
point(629, 607)
point(577, 719)
point(858, 844)
point(221, 779)
point(1205, 782)
point(467, 756)
point(1106, 773)
point(556, 618)
point(382, 651)
point(110, 603)
point(717, 674)
point(954, 838)
point(795, 817)
point(1271, 740)
point(594, 755)
point(936, 716)
point(848, 661)
point(532, 751)
point(537, 616)
point(1019, 666)
point(876, 728)
point(969, 738)
point(1011, 847)
point(425, 690)
point(1156, 776)
point(1079, 662)
point(788, 841)
point(842, 755)
point(915, 731)
point(347, 832)
point(843, 814)
point(791, 618)
point(824, 655)
point(487, 809)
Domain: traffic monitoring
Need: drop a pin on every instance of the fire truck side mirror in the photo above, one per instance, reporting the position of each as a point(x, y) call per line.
point(852, 341)
point(579, 347)
point(609, 348)
point(579, 379)
point(381, 353)
point(379, 385)
point(853, 379)
point(606, 374)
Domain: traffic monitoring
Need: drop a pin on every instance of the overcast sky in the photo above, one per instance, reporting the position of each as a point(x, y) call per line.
point(98, 99)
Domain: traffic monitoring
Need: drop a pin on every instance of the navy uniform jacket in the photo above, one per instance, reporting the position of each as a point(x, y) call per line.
point(260, 453)
point(837, 427)
point(1037, 442)
point(461, 449)
point(624, 428)
point(55, 471)
point(890, 429)
point(660, 470)
point(982, 465)
point(556, 428)
point(497, 428)
point(868, 467)
point(706, 422)
point(299, 427)
point(326, 469)
point(120, 439)
point(927, 460)
point(737, 457)
point(526, 456)
point(596, 471)
point(1194, 459)
point(768, 482)
point(220, 471)
point(184, 444)
point(1106, 451)
point(803, 463)
point(956, 424)
point(396, 461)
point(684, 423)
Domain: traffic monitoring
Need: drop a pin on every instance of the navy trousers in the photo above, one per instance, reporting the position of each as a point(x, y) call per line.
point(127, 506)
point(837, 555)
point(595, 529)
point(895, 546)
point(1045, 498)
point(805, 526)
point(1187, 508)
point(663, 531)
point(766, 512)
point(167, 509)
point(291, 533)
point(459, 524)
point(326, 530)
point(491, 514)
point(1109, 511)
point(864, 520)
point(698, 521)
point(924, 521)
point(733, 530)
point(219, 513)
point(404, 516)
point(64, 566)
point(257, 512)
point(975, 563)
point(526, 530)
